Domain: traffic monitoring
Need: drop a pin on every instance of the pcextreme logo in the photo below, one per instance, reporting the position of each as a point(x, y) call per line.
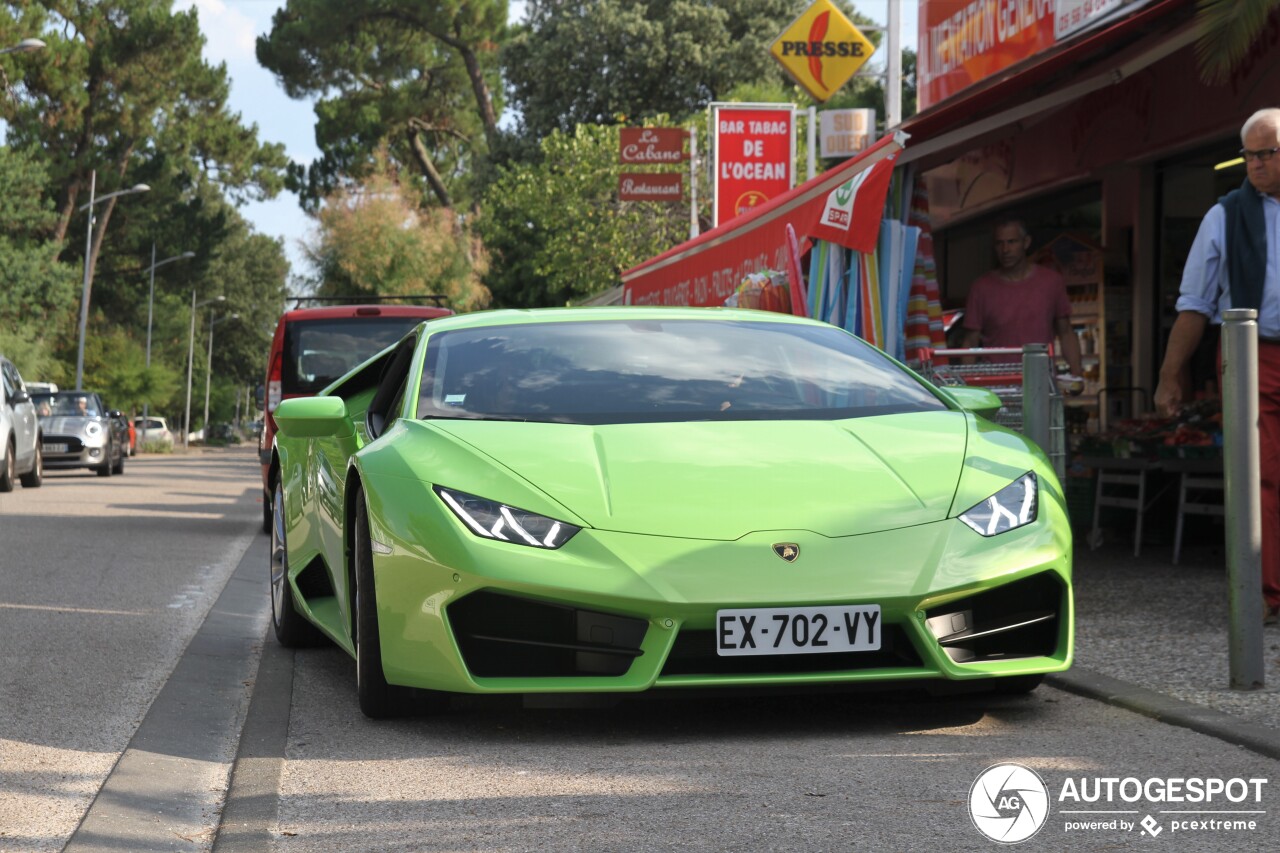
point(822, 49)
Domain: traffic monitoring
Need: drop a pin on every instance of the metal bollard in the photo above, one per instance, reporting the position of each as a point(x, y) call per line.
point(1240, 456)
point(1037, 394)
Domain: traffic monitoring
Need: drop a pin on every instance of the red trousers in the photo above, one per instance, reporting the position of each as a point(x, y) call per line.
point(1269, 462)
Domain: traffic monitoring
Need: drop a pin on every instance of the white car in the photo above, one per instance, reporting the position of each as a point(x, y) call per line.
point(21, 455)
point(152, 428)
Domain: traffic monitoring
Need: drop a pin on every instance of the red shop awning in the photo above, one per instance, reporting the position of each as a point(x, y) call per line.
point(843, 205)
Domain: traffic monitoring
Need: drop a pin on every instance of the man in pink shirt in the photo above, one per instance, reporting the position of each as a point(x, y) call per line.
point(1020, 302)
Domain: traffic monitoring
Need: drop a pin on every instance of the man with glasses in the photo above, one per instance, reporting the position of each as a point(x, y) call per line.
point(1235, 263)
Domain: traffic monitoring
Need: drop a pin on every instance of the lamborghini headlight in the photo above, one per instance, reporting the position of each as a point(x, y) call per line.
point(493, 520)
point(1008, 509)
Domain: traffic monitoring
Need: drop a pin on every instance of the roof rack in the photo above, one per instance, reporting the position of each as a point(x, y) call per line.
point(437, 299)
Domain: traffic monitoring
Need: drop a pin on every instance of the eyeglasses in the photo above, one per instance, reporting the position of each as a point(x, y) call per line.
point(1261, 156)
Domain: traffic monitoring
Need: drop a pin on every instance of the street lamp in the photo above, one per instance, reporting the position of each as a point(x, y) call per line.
point(88, 270)
point(208, 374)
point(191, 355)
point(146, 407)
point(24, 46)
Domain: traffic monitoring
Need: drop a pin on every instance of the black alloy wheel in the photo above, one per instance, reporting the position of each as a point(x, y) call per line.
point(292, 629)
point(118, 468)
point(378, 699)
point(105, 469)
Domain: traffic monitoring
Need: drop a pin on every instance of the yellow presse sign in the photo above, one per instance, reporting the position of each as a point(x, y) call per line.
point(822, 49)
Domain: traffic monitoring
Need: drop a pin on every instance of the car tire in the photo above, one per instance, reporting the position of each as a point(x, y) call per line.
point(267, 514)
point(33, 478)
point(104, 470)
point(6, 473)
point(378, 699)
point(118, 468)
point(293, 631)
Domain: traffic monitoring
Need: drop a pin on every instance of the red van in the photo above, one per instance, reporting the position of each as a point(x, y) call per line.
point(314, 346)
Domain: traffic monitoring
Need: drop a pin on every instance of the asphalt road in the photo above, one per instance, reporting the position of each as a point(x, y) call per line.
point(113, 738)
point(103, 583)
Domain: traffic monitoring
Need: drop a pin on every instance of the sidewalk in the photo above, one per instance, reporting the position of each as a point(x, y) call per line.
point(1152, 636)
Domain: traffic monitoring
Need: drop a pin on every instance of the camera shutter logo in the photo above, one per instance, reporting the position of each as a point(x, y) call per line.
point(1008, 803)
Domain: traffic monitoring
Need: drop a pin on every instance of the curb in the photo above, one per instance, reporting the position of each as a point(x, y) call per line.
point(1263, 740)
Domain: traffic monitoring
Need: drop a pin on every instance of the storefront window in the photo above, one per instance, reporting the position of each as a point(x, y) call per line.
point(1188, 187)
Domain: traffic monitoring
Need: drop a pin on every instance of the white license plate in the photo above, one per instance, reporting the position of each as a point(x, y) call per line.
point(798, 630)
point(55, 448)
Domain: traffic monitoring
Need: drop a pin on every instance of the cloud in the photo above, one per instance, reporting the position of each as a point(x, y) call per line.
point(230, 34)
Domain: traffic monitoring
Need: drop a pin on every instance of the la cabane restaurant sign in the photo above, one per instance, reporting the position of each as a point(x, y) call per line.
point(651, 186)
point(652, 145)
point(754, 150)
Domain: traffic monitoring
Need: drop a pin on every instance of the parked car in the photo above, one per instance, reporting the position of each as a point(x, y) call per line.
point(20, 451)
point(81, 432)
point(224, 434)
point(314, 346)
point(630, 498)
point(152, 429)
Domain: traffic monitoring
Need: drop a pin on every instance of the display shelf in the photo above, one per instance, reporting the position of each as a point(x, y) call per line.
point(1080, 263)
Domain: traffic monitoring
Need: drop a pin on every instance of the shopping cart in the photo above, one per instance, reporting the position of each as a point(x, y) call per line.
point(1023, 379)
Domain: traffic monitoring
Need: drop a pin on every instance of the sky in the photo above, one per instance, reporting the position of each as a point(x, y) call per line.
point(231, 28)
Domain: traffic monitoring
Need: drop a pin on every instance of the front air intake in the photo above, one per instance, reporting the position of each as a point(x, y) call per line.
point(505, 636)
point(1017, 620)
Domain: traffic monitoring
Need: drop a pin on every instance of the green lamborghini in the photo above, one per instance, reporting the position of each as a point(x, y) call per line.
point(620, 499)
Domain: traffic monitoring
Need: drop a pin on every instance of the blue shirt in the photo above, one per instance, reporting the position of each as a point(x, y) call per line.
point(1205, 288)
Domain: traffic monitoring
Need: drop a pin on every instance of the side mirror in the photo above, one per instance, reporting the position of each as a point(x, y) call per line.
point(313, 417)
point(980, 401)
point(20, 397)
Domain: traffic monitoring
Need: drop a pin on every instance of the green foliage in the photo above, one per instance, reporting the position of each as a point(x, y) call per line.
point(556, 227)
point(416, 78)
point(33, 355)
point(1228, 30)
point(375, 238)
point(626, 61)
point(250, 270)
point(115, 367)
point(121, 92)
point(35, 289)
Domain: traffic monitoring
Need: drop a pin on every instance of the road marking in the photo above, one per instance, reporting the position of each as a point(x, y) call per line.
point(189, 732)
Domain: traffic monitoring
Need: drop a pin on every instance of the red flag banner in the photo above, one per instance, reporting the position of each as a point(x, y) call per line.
point(852, 211)
point(708, 269)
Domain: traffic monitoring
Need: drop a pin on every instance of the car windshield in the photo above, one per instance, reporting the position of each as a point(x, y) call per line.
point(148, 423)
point(66, 403)
point(316, 352)
point(626, 371)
